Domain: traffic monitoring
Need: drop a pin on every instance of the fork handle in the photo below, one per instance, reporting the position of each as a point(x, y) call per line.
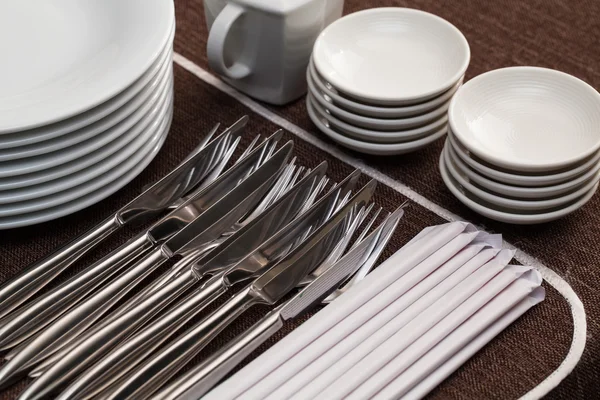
point(151, 375)
point(30, 319)
point(140, 346)
point(199, 380)
point(20, 288)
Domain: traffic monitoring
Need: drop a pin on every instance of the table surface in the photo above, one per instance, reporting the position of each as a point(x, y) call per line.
point(559, 34)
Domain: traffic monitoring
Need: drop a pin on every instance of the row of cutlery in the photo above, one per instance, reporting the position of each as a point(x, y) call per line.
point(400, 331)
point(120, 327)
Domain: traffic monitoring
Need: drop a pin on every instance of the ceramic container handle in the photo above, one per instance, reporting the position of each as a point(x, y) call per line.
point(216, 43)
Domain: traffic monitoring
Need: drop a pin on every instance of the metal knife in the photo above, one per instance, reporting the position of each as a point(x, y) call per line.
point(269, 288)
point(199, 380)
point(236, 247)
point(233, 206)
point(155, 199)
point(252, 250)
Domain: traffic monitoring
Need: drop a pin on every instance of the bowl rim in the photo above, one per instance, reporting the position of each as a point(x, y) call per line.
point(424, 95)
point(533, 218)
point(534, 180)
point(521, 205)
point(382, 111)
point(407, 134)
point(492, 158)
point(381, 147)
point(419, 119)
point(521, 191)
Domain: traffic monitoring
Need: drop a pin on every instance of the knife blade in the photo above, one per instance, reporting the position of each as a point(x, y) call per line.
point(192, 170)
point(237, 202)
point(196, 382)
point(270, 287)
point(243, 242)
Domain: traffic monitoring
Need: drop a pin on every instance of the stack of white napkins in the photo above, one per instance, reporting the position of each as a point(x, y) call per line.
point(403, 329)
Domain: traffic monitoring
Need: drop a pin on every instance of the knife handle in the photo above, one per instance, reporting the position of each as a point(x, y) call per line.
point(199, 380)
point(151, 375)
point(78, 320)
point(30, 319)
point(137, 348)
point(20, 288)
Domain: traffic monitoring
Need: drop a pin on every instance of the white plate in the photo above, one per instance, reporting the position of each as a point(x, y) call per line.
point(372, 148)
point(63, 127)
point(329, 94)
point(519, 179)
point(91, 198)
point(64, 57)
point(514, 204)
point(85, 175)
point(527, 118)
point(508, 217)
point(373, 136)
point(71, 167)
point(113, 175)
point(517, 191)
point(122, 119)
point(391, 55)
point(379, 124)
point(49, 160)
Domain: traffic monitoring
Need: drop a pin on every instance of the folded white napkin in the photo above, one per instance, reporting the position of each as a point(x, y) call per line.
point(367, 319)
point(386, 274)
point(447, 356)
point(495, 306)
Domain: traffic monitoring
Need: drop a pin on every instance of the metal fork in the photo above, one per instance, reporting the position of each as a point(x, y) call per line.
point(55, 336)
point(20, 288)
point(244, 265)
point(269, 288)
point(188, 260)
point(362, 257)
point(29, 319)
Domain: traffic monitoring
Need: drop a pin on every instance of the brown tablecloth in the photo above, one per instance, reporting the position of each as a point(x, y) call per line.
point(559, 34)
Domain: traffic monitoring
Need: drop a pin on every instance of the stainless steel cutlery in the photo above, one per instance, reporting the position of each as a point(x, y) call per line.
point(197, 381)
point(268, 288)
point(155, 199)
point(189, 226)
point(111, 332)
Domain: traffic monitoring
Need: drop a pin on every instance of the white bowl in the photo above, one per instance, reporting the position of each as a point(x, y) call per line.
point(372, 148)
point(391, 55)
point(374, 136)
point(533, 180)
point(515, 204)
point(518, 191)
point(329, 94)
point(527, 118)
point(528, 218)
point(378, 123)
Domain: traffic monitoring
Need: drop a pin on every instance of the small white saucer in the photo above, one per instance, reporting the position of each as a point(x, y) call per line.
point(522, 179)
point(520, 191)
point(527, 118)
point(368, 110)
point(391, 55)
point(380, 149)
point(516, 204)
point(509, 217)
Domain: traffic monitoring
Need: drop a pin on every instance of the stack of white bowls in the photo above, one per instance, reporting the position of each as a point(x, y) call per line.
point(380, 80)
point(523, 145)
point(86, 91)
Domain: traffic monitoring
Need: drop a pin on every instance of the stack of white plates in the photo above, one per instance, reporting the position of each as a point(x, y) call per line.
point(524, 144)
point(380, 80)
point(86, 91)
